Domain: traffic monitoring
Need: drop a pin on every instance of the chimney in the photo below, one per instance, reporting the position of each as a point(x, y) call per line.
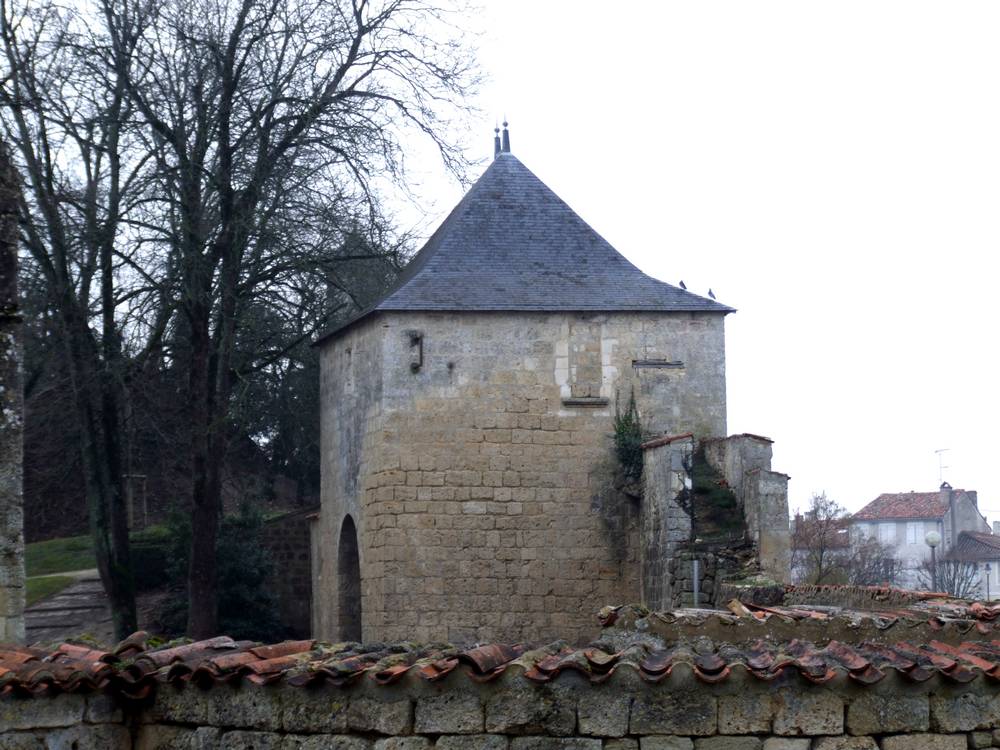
point(506, 138)
point(996, 528)
point(973, 496)
point(948, 497)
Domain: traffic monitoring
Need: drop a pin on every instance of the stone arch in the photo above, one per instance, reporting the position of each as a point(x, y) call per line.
point(348, 583)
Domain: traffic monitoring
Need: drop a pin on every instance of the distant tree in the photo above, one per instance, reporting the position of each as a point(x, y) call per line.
point(958, 578)
point(821, 542)
point(824, 551)
point(872, 563)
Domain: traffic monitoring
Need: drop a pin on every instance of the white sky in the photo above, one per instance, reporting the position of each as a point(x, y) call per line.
point(832, 170)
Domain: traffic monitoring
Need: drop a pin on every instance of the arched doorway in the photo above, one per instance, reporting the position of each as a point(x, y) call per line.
point(348, 583)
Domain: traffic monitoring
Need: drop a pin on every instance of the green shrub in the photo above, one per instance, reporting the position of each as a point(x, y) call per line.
point(246, 608)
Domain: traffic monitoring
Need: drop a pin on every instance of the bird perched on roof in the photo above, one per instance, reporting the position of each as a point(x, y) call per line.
point(683, 285)
point(711, 294)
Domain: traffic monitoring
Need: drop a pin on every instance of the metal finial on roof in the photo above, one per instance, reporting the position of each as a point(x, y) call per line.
point(711, 294)
point(496, 141)
point(506, 138)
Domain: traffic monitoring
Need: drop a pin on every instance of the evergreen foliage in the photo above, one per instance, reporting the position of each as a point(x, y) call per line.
point(628, 440)
point(246, 608)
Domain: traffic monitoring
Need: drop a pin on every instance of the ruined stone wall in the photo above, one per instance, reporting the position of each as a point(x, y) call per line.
point(666, 526)
point(481, 467)
point(511, 713)
point(745, 462)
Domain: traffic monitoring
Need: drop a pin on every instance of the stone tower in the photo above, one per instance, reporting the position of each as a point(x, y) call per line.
point(468, 419)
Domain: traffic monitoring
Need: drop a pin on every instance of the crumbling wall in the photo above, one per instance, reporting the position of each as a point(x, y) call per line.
point(740, 712)
point(666, 525)
point(745, 462)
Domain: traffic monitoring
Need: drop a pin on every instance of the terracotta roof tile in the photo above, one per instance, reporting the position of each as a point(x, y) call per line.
point(890, 505)
point(134, 670)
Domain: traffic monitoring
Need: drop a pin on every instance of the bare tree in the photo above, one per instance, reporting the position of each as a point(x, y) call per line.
point(11, 413)
point(64, 116)
point(824, 551)
point(253, 110)
point(821, 542)
point(872, 563)
point(195, 169)
point(959, 578)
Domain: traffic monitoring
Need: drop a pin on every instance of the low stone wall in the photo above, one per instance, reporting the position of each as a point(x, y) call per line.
point(624, 712)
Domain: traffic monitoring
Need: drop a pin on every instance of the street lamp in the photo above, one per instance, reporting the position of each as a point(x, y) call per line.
point(987, 581)
point(933, 539)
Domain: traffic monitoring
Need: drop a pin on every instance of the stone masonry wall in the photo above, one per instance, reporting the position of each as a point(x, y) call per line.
point(287, 539)
point(474, 452)
point(511, 713)
point(665, 525)
point(745, 462)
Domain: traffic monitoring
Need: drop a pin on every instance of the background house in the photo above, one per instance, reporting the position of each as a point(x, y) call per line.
point(902, 520)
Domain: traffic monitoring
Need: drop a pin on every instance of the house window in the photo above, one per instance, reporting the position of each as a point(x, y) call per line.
point(913, 532)
point(887, 533)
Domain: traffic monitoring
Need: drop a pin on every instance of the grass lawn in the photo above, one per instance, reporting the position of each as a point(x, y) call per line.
point(58, 555)
point(39, 588)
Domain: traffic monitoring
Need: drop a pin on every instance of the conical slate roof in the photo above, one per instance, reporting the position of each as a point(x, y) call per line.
point(512, 244)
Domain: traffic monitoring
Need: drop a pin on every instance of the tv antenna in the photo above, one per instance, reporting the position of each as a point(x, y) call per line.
point(941, 467)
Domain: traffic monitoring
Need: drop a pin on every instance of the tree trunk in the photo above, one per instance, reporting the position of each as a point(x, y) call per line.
point(11, 414)
point(206, 505)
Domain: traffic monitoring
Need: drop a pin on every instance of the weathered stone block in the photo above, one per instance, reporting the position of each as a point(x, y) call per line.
point(666, 743)
point(166, 737)
point(366, 714)
point(451, 712)
point(979, 740)
point(180, 705)
point(39, 713)
point(522, 708)
point(963, 712)
point(924, 742)
point(621, 744)
point(245, 707)
point(554, 743)
point(845, 743)
point(241, 739)
point(745, 714)
point(403, 743)
point(728, 743)
point(472, 742)
point(786, 743)
point(874, 713)
point(89, 737)
point(21, 741)
point(603, 712)
point(329, 742)
point(690, 713)
point(319, 710)
point(809, 712)
point(102, 709)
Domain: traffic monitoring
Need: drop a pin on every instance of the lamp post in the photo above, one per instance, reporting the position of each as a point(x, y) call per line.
point(933, 539)
point(987, 581)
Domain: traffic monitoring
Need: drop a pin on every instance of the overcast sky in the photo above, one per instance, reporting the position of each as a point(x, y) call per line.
point(832, 170)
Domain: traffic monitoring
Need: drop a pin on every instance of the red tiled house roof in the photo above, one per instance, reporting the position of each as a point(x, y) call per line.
point(905, 505)
point(975, 546)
